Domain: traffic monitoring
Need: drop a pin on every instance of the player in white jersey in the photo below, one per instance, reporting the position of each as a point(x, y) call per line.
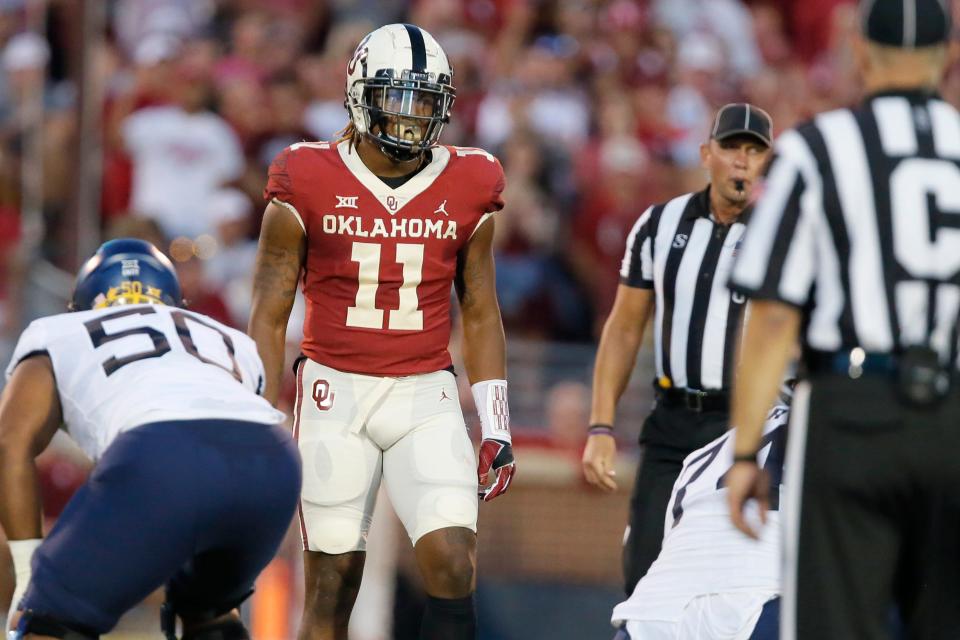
point(710, 582)
point(195, 483)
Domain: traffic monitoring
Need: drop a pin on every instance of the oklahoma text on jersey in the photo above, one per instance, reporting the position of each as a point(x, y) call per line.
point(398, 228)
point(381, 261)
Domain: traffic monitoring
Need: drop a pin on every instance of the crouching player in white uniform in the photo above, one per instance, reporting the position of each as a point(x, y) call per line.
point(710, 582)
point(195, 484)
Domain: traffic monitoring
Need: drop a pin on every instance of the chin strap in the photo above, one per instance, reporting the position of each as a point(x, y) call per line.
point(394, 153)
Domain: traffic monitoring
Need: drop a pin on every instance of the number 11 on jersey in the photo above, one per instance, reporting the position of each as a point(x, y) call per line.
point(364, 313)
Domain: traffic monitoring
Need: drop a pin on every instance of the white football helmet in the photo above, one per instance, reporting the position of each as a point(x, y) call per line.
point(400, 90)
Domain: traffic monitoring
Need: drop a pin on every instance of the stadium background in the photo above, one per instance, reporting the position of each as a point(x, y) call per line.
point(158, 118)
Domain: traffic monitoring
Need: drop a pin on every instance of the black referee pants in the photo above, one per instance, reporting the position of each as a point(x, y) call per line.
point(872, 515)
point(669, 435)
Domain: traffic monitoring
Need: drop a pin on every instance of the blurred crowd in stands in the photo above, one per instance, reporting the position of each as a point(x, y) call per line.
point(595, 107)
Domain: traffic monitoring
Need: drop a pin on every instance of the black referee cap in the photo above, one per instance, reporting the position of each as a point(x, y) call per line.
point(742, 119)
point(906, 23)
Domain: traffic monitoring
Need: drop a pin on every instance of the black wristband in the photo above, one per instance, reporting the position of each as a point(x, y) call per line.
point(745, 457)
point(600, 429)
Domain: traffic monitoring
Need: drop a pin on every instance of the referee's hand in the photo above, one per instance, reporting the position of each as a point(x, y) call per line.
point(745, 480)
point(598, 458)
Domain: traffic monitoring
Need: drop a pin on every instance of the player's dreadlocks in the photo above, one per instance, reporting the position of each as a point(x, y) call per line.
point(350, 133)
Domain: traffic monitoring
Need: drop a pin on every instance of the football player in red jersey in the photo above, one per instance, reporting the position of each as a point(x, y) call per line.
point(381, 223)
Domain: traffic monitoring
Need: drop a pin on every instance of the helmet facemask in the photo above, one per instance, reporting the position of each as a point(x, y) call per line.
point(403, 116)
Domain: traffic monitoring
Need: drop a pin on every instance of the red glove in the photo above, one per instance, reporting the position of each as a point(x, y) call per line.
point(495, 455)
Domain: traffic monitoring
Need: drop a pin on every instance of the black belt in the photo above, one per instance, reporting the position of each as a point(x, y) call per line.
point(853, 363)
point(920, 378)
point(692, 399)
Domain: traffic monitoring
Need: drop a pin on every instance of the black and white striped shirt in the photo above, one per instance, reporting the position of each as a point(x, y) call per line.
point(684, 255)
point(859, 226)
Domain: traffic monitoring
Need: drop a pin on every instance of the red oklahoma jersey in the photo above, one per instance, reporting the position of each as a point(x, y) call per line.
point(381, 261)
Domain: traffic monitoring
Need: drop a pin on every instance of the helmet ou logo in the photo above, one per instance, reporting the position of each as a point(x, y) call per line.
point(322, 395)
point(360, 55)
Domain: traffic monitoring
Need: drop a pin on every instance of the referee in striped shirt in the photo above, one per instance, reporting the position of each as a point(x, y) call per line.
point(855, 247)
point(677, 263)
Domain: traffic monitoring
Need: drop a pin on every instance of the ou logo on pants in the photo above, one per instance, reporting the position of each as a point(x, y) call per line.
point(322, 395)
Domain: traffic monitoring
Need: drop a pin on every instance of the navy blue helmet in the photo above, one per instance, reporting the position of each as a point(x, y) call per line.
point(125, 271)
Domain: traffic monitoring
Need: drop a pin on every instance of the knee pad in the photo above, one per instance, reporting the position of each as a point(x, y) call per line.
point(44, 625)
point(227, 630)
point(333, 533)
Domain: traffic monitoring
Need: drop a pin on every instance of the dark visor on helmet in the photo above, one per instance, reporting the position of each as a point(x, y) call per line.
point(409, 102)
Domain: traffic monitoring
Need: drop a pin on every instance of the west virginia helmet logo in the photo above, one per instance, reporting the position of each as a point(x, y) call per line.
point(129, 292)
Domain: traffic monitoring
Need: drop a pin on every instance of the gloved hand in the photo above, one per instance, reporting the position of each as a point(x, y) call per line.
point(496, 451)
point(495, 456)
